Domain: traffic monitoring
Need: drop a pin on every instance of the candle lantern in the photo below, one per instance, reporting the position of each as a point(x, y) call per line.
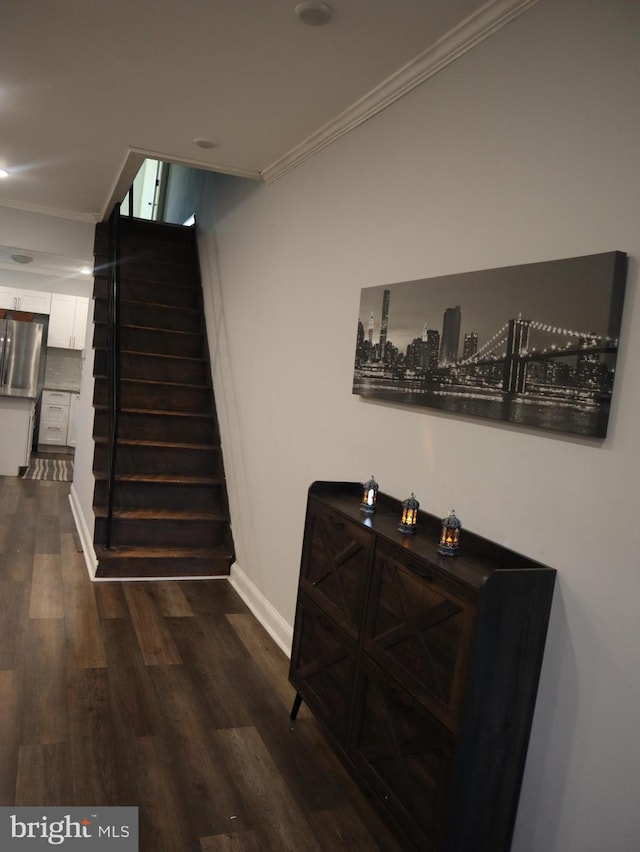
point(369, 496)
point(409, 517)
point(450, 535)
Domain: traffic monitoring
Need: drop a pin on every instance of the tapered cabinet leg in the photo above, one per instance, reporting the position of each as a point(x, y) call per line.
point(297, 701)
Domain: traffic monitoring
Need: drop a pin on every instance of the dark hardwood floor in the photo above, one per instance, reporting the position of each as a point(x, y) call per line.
point(168, 696)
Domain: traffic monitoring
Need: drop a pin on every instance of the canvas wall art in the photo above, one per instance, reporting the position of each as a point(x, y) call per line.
point(533, 345)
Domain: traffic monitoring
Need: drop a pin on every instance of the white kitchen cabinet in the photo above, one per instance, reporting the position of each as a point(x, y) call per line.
point(61, 320)
point(15, 299)
point(72, 428)
point(81, 318)
point(36, 301)
point(7, 297)
point(68, 321)
point(54, 418)
point(16, 414)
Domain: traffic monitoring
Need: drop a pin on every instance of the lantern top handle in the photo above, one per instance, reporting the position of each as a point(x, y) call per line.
point(451, 521)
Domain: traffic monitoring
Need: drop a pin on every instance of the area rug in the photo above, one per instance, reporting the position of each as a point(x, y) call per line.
point(57, 470)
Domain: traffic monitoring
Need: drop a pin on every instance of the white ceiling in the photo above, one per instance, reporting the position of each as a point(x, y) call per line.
point(89, 87)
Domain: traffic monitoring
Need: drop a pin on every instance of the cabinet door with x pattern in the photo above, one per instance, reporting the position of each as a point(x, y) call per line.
point(419, 630)
point(335, 567)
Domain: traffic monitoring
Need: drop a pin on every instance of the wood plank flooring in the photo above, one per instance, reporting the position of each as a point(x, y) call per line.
point(169, 696)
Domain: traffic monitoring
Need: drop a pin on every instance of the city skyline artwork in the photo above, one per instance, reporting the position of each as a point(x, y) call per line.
point(533, 345)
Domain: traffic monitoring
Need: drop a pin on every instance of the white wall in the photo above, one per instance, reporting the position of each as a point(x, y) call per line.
point(54, 235)
point(39, 232)
point(81, 495)
point(525, 149)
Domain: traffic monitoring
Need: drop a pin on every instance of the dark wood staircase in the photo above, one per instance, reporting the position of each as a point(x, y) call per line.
point(170, 515)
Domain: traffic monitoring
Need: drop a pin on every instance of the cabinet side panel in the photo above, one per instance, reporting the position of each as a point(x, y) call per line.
point(498, 710)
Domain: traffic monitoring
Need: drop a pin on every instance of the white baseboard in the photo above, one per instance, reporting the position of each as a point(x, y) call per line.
point(271, 620)
point(85, 535)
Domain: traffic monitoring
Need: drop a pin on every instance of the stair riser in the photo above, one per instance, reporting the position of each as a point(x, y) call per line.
point(175, 566)
point(160, 341)
point(187, 462)
point(152, 316)
point(153, 427)
point(152, 292)
point(182, 296)
point(163, 241)
point(137, 229)
point(155, 496)
point(155, 397)
point(156, 250)
point(144, 269)
point(154, 369)
point(151, 250)
point(163, 533)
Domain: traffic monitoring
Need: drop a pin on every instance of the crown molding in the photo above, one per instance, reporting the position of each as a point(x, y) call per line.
point(207, 166)
point(75, 215)
point(475, 29)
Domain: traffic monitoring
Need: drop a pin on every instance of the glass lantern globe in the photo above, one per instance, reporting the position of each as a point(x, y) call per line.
point(369, 496)
point(409, 517)
point(450, 535)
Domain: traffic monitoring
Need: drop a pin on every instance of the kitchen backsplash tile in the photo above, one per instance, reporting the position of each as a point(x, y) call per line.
point(63, 369)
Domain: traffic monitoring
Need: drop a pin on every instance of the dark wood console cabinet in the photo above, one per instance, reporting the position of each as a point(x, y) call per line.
point(422, 668)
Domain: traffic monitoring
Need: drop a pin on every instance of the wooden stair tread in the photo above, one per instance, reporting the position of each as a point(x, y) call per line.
point(167, 356)
point(161, 514)
point(127, 278)
point(174, 445)
point(154, 328)
point(162, 356)
point(157, 383)
point(129, 274)
point(125, 300)
point(213, 552)
point(165, 306)
point(163, 478)
point(160, 412)
point(151, 305)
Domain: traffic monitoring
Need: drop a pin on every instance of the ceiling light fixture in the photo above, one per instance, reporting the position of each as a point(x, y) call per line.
point(314, 12)
point(21, 258)
point(205, 143)
point(4, 173)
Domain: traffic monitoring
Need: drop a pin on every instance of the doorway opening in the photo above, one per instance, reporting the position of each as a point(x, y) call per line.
point(164, 192)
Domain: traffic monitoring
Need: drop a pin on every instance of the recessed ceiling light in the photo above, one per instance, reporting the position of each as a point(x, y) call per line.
point(205, 143)
point(4, 173)
point(314, 12)
point(21, 258)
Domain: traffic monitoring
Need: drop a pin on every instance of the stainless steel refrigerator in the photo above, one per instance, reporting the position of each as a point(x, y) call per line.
point(20, 347)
